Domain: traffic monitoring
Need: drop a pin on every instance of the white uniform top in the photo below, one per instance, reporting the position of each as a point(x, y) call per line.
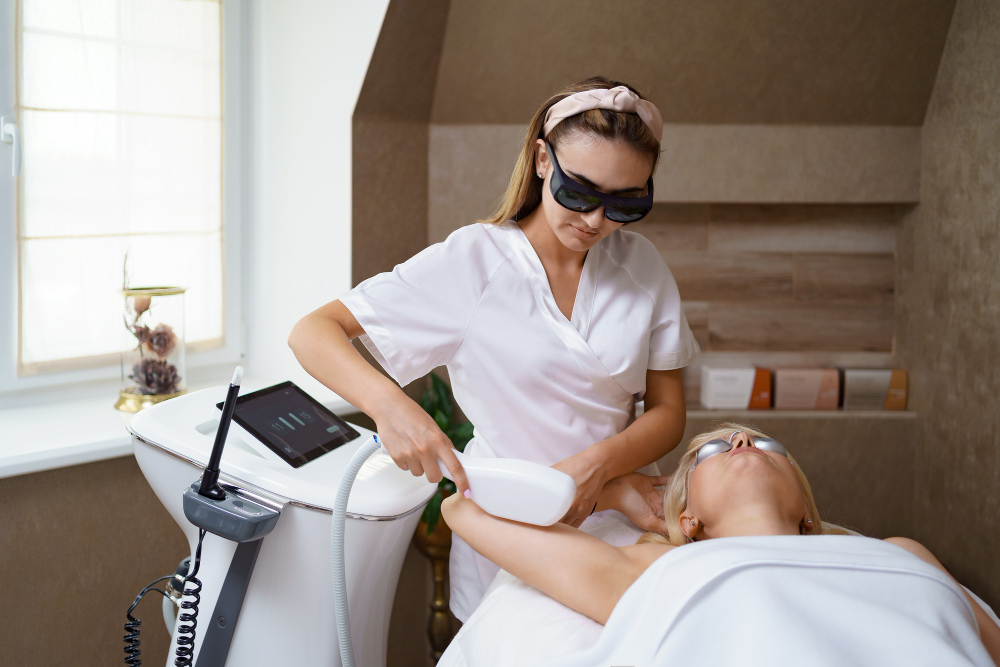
point(535, 385)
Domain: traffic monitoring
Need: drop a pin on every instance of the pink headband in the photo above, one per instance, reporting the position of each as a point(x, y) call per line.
point(619, 98)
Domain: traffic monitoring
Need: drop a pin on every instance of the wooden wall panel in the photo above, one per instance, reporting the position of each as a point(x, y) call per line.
point(804, 228)
point(845, 278)
point(676, 226)
point(742, 327)
point(792, 278)
point(730, 276)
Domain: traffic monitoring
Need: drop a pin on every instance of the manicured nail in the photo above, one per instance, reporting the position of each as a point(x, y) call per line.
point(468, 493)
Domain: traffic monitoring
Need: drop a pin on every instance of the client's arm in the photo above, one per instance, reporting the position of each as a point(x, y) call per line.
point(575, 568)
point(989, 631)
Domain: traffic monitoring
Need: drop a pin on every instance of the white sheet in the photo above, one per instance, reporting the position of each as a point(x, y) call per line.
point(828, 600)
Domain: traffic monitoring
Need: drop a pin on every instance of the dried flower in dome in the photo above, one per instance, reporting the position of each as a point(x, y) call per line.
point(155, 376)
point(161, 340)
point(141, 333)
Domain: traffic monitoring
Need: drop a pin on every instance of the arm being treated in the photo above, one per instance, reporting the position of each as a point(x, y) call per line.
point(575, 568)
point(321, 342)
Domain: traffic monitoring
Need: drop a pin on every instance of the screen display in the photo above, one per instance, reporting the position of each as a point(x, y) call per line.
point(291, 423)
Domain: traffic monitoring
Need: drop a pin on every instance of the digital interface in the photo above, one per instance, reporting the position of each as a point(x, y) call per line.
point(291, 423)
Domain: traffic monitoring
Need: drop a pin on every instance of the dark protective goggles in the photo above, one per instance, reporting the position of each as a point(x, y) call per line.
point(578, 197)
point(719, 446)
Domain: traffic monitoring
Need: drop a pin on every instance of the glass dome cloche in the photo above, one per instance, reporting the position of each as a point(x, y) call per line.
point(153, 368)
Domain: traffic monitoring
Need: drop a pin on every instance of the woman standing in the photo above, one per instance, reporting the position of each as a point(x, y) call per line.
point(551, 320)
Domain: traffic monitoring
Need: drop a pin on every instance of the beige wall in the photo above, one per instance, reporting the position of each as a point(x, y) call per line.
point(791, 62)
point(76, 546)
point(948, 306)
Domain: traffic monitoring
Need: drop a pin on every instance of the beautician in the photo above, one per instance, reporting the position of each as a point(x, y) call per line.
point(552, 320)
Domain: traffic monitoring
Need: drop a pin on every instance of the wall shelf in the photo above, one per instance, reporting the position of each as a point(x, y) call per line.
point(749, 415)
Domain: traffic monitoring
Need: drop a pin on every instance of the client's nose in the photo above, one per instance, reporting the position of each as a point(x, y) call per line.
point(741, 439)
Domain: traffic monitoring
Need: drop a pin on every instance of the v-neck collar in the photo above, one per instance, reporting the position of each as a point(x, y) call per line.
point(583, 303)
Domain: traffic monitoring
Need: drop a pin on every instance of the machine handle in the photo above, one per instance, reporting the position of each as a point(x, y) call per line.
point(11, 133)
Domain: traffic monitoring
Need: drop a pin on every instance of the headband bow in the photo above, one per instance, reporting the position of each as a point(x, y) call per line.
point(618, 98)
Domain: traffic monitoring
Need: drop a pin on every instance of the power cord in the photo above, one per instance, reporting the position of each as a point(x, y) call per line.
point(189, 621)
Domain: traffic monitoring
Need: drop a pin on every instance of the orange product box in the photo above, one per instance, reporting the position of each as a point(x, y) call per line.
point(874, 389)
point(760, 395)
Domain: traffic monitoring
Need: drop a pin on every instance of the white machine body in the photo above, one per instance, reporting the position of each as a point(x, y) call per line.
point(287, 616)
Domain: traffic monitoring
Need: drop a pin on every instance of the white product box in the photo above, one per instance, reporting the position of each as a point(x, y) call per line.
point(727, 388)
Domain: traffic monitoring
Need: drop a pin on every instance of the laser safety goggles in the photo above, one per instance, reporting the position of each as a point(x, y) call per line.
point(719, 446)
point(578, 197)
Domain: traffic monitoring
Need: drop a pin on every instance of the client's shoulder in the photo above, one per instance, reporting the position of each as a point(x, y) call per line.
point(918, 550)
point(643, 555)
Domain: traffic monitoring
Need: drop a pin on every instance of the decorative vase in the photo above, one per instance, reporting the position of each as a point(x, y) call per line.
point(153, 368)
point(437, 548)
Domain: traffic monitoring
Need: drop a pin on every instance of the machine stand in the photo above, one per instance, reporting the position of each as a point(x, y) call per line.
point(221, 625)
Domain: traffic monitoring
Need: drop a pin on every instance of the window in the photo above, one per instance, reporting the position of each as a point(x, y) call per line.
point(121, 109)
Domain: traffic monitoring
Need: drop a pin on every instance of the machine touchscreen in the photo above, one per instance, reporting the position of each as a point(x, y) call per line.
point(291, 423)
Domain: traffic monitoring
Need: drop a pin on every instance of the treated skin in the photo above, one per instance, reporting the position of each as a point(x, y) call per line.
point(746, 491)
point(321, 342)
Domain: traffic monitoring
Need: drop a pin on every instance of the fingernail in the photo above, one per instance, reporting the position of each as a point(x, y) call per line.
point(468, 493)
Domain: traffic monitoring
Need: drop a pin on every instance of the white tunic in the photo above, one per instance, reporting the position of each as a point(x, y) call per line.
point(535, 385)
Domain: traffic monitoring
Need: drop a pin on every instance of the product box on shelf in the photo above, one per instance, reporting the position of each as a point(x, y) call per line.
point(739, 388)
point(874, 389)
point(806, 388)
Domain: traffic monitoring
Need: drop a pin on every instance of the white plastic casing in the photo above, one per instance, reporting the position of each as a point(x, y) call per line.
point(186, 426)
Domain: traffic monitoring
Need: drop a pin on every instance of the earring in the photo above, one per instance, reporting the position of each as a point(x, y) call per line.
point(540, 175)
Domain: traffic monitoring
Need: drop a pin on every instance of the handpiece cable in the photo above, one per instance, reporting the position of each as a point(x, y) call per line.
point(189, 620)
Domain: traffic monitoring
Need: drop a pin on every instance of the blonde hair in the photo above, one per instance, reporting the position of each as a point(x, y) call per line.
point(675, 498)
point(524, 192)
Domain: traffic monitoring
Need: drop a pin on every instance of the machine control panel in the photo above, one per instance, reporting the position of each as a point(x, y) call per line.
point(291, 423)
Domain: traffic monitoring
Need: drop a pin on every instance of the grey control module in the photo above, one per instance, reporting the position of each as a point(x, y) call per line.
point(240, 516)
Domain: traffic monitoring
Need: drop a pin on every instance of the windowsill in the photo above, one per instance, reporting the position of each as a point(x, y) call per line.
point(83, 430)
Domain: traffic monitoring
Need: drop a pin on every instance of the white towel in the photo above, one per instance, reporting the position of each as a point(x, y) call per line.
point(789, 600)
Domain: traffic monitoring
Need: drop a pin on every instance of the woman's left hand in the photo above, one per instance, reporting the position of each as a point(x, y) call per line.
point(636, 496)
point(588, 474)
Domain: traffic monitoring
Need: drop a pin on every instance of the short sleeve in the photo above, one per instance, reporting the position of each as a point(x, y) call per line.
point(671, 343)
point(415, 316)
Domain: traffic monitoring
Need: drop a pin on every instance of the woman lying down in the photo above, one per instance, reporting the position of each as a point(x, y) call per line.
point(733, 582)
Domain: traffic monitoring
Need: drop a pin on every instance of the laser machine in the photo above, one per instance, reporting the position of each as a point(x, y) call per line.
point(283, 459)
point(261, 512)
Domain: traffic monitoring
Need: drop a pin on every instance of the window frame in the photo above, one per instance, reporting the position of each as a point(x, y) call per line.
point(232, 351)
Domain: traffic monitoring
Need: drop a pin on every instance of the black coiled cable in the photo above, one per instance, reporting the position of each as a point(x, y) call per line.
point(187, 630)
point(132, 652)
point(185, 643)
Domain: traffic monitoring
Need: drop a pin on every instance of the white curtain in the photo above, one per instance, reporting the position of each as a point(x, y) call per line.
point(120, 104)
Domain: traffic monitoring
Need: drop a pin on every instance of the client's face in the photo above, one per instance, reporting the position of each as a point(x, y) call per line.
point(744, 484)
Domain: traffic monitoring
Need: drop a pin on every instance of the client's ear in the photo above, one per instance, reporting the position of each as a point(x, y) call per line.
point(806, 526)
point(690, 525)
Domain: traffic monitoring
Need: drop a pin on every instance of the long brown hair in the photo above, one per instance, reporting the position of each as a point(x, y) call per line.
point(524, 192)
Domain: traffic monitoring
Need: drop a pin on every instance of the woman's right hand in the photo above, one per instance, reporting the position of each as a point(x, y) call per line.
point(415, 442)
